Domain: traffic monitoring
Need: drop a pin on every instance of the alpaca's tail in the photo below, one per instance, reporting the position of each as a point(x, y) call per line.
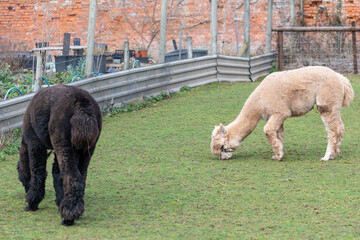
point(348, 91)
point(84, 130)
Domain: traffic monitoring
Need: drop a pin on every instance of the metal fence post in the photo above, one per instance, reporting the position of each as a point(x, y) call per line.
point(247, 28)
point(280, 41)
point(213, 25)
point(354, 49)
point(91, 38)
point(126, 55)
point(269, 26)
point(180, 41)
point(189, 47)
point(162, 44)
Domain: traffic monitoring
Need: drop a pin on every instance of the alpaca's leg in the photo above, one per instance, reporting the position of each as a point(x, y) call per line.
point(72, 205)
point(58, 182)
point(280, 133)
point(37, 157)
point(24, 166)
point(84, 164)
point(339, 136)
point(271, 130)
point(329, 101)
point(335, 128)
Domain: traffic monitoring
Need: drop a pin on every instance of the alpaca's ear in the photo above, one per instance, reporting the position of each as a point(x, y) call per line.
point(222, 129)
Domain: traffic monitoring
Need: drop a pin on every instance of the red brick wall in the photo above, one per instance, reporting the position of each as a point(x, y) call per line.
point(324, 12)
point(30, 21)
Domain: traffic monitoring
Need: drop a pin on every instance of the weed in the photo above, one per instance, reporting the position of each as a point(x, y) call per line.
point(137, 105)
point(185, 89)
point(274, 68)
point(9, 143)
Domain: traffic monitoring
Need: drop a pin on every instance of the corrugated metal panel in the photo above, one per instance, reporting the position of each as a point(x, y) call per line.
point(12, 112)
point(261, 65)
point(129, 85)
point(232, 69)
point(125, 86)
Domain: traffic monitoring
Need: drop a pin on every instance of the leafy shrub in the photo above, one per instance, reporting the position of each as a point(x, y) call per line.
point(78, 70)
point(66, 77)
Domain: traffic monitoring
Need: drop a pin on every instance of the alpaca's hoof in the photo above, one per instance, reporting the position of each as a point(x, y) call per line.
point(67, 222)
point(30, 208)
point(324, 159)
point(277, 158)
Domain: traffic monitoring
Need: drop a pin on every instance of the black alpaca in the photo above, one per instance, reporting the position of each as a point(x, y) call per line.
point(67, 120)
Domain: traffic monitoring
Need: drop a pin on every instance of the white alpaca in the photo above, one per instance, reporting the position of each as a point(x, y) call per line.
point(288, 94)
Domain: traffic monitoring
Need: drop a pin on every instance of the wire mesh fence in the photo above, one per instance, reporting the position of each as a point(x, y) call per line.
point(333, 49)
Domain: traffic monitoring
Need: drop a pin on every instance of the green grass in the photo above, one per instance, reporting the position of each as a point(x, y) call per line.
point(153, 177)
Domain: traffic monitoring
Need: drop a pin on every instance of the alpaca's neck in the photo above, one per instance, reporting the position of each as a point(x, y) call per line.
point(244, 124)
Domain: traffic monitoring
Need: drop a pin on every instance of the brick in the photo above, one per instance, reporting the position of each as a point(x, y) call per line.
point(117, 22)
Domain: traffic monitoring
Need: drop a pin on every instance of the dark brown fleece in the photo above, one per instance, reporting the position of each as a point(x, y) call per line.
point(67, 120)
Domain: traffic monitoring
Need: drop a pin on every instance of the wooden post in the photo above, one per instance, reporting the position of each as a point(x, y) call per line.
point(354, 49)
point(126, 55)
point(162, 45)
point(247, 28)
point(280, 51)
point(174, 44)
point(269, 26)
point(91, 38)
point(189, 47)
point(40, 57)
point(66, 44)
point(214, 22)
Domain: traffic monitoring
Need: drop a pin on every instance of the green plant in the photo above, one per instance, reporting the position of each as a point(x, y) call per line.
point(6, 74)
point(185, 89)
point(78, 70)
point(24, 80)
point(274, 68)
point(9, 143)
point(67, 76)
point(8, 80)
point(137, 105)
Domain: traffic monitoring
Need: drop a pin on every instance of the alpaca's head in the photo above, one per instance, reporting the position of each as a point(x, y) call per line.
point(220, 143)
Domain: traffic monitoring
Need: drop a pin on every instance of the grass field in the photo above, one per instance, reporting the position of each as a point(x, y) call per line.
point(153, 177)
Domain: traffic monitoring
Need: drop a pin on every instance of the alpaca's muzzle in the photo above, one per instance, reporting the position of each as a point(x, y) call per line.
point(225, 154)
